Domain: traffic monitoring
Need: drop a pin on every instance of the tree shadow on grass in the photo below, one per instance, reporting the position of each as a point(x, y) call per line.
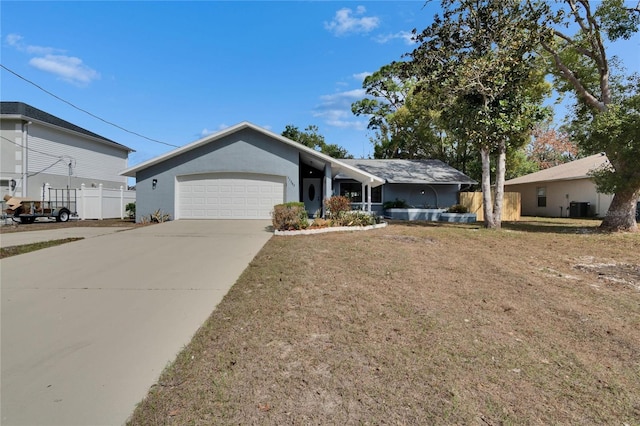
point(533, 225)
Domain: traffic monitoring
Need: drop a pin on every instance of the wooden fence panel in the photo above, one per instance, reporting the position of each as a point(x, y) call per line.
point(510, 205)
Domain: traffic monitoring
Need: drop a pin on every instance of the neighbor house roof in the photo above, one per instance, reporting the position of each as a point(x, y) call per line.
point(577, 169)
point(412, 171)
point(337, 166)
point(20, 110)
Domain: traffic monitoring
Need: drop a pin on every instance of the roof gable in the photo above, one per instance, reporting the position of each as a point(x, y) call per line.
point(29, 112)
point(412, 171)
point(577, 169)
point(337, 166)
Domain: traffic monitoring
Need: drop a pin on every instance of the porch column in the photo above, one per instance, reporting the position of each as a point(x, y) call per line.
point(369, 197)
point(328, 184)
point(362, 192)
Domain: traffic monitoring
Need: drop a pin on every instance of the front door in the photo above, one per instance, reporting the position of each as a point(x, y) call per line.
point(312, 196)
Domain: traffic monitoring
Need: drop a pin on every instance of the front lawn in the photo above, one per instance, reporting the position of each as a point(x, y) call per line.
point(419, 323)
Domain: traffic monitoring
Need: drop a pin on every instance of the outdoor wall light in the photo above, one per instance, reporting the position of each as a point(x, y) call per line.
point(154, 183)
point(13, 184)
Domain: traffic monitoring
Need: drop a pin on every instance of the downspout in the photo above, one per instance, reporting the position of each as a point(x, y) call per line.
point(25, 164)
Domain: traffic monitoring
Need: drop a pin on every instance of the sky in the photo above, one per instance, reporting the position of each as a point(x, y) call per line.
point(177, 71)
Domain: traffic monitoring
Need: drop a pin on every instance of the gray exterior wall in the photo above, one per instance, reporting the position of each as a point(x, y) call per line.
point(245, 151)
point(412, 194)
point(447, 195)
point(93, 162)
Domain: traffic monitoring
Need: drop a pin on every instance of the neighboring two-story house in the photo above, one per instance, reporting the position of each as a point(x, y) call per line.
point(39, 148)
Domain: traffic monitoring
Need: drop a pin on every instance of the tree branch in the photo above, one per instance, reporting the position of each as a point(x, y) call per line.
point(575, 82)
point(580, 49)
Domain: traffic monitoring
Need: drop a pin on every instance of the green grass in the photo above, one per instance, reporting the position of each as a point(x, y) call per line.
point(27, 248)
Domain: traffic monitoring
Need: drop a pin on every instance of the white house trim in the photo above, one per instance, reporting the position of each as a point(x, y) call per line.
point(337, 166)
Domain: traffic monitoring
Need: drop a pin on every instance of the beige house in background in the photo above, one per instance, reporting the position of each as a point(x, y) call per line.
point(562, 191)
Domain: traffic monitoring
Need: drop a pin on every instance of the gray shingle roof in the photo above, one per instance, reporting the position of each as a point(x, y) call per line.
point(577, 169)
point(411, 171)
point(25, 110)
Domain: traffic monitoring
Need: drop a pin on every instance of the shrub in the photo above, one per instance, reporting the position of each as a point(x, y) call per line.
point(156, 217)
point(458, 208)
point(336, 206)
point(289, 216)
point(320, 223)
point(130, 208)
point(356, 218)
point(396, 204)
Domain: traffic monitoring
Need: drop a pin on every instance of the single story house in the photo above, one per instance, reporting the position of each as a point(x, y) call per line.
point(428, 184)
point(39, 148)
point(565, 190)
point(243, 171)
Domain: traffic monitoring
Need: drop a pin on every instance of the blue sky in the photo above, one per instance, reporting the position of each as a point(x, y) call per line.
point(177, 71)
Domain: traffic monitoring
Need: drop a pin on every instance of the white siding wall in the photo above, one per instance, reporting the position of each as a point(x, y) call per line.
point(91, 160)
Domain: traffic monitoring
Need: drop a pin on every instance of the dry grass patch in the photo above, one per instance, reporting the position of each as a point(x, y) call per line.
point(418, 324)
point(27, 248)
point(44, 224)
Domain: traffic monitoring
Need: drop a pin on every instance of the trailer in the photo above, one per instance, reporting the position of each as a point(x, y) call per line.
point(60, 205)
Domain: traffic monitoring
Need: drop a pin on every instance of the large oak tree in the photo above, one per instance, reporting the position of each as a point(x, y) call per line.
point(574, 39)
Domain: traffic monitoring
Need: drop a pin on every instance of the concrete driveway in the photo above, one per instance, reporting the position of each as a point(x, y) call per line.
point(87, 327)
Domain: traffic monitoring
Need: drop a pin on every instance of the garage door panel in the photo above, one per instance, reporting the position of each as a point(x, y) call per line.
point(242, 196)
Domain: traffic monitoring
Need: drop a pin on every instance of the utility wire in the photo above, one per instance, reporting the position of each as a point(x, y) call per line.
point(85, 111)
point(32, 149)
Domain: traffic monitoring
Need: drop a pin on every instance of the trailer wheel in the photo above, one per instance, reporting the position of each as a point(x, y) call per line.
point(63, 215)
point(27, 220)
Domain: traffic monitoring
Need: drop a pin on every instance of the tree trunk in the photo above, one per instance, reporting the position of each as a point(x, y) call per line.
point(487, 205)
point(621, 215)
point(499, 197)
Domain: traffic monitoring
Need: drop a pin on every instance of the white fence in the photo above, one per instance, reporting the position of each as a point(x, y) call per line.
point(103, 203)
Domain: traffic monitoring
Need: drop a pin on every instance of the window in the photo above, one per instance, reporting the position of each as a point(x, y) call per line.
point(353, 191)
point(542, 196)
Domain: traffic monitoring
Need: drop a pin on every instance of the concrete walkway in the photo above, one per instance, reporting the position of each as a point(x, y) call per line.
point(87, 327)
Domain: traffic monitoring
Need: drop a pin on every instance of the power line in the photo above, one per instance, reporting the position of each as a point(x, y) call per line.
point(85, 111)
point(31, 149)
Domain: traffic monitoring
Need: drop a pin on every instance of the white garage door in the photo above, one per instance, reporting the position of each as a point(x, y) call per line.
point(228, 196)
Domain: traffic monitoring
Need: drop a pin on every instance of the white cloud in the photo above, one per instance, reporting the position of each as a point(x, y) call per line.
point(335, 109)
point(347, 21)
point(52, 60)
point(16, 41)
point(206, 132)
point(404, 35)
point(348, 96)
point(362, 75)
point(69, 68)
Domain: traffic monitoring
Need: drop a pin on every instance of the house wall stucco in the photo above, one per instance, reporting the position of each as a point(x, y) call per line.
point(561, 194)
point(447, 195)
point(245, 151)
